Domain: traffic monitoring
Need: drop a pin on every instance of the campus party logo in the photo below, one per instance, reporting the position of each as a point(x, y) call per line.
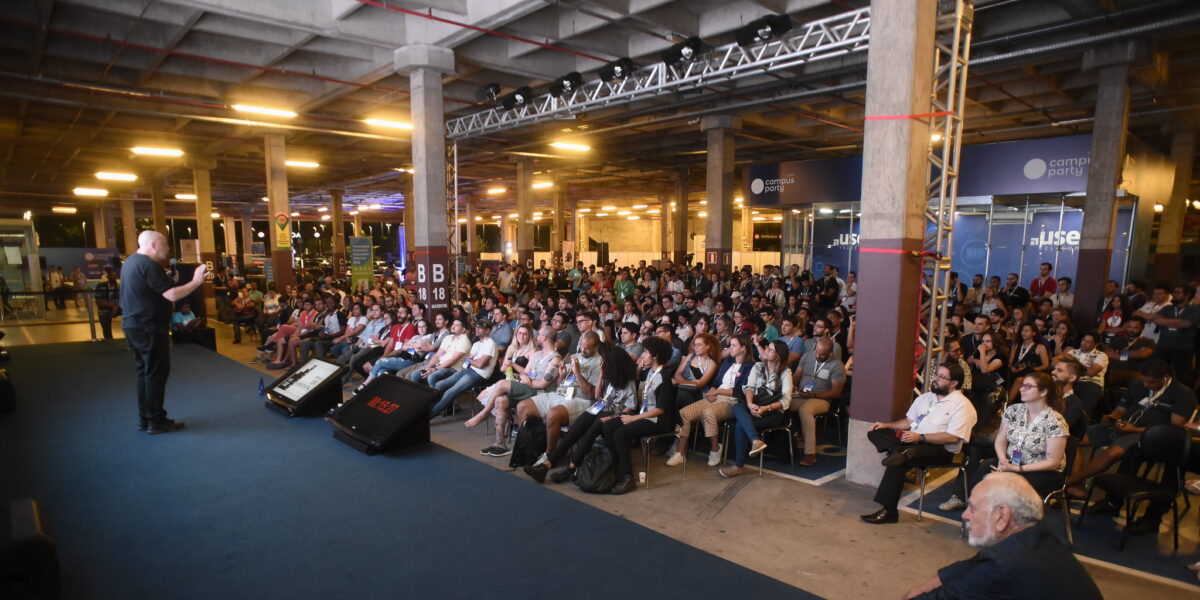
point(778, 184)
point(1055, 238)
point(1038, 168)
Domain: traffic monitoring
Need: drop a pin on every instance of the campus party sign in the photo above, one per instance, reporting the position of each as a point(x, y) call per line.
point(1041, 166)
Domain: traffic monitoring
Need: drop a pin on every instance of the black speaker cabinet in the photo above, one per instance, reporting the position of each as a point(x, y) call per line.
point(389, 413)
point(311, 388)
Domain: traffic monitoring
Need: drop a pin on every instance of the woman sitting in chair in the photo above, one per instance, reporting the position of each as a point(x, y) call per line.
point(716, 404)
point(768, 395)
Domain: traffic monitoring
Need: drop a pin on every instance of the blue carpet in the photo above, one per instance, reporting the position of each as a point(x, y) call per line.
point(1100, 534)
point(247, 504)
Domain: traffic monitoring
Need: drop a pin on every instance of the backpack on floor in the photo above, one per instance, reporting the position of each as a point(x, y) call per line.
point(530, 443)
point(598, 473)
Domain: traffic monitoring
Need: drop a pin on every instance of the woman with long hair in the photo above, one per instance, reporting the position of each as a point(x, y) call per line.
point(696, 371)
point(1112, 322)
point(768, 394)
point(615, 396)
point(522, 346)
point(1028, 355)
point(717, 403)
point(1032, 440)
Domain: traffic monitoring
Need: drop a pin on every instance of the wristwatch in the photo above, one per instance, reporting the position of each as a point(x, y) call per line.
point(922, 438)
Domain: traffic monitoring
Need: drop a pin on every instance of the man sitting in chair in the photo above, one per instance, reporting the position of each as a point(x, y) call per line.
point(931, 433)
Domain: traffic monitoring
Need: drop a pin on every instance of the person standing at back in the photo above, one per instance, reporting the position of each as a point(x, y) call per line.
point(147, 294)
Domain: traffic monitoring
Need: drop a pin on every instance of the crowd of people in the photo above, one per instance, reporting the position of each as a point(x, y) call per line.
point(610, 355)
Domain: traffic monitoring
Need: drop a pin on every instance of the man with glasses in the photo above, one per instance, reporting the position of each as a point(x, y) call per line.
point(931, 433)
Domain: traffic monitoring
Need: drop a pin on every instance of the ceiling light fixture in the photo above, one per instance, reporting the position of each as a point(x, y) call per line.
point(513, 215)
point(66, 210)
point(759, 219)
point(185, 196)
point(389, 123)
point(826, 211)
point(567, 84)
point(261, 110)
point(326, 217)
point(633, 217)
point(639, 206)
point(146, 151)
point(496, 191)
point(703, 203)
point(935, 137)
point(266, 199)
point(617, 70)
point(94, 192)
point(1158, 208)
point(623, 213)
point(295, 214)
point(375, 206)
point(307, 164)
point(588, 210)
point(352, 213)
point(570, 146)
point(216, 215)
point(601, 214)
point(116, 176)
point(654, 211)
point(322, 209)
point(703, 214)
point(762, 30)
point(688, 50)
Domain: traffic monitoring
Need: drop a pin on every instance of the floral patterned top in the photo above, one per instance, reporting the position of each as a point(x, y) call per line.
point(1031, 438)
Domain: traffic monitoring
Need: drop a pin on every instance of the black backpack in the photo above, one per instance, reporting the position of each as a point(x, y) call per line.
point(530, 443)
point(598, 473)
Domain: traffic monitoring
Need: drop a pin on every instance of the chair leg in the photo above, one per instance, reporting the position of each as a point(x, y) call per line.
point(1129, 505)
point(646, 456)
point(1086, 503)
point(921, 499)
point(1175, 522)
point(791, 449)
point(962, 526)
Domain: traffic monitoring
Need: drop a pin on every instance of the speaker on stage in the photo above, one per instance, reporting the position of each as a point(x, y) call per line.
point(390, 412)
point(312, 387)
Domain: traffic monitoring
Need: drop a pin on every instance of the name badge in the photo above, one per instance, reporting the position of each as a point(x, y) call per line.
point(808, 387)
point(823, 374)
point(596, 407)
point(1145, 402)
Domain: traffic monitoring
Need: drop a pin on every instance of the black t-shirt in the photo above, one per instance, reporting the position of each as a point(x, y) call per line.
point(1175, 400)
point(143, 282)
point(1125, 342)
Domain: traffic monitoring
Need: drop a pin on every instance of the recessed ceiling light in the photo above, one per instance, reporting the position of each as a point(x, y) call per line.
point(266, 199)
point(633, 217)
point(326, 217)
point(541, 185)
point(608, 208)
point(496, 191)
point(295, 214)
point(307, 164)
point(588, 210)
point(388, 123)
point(95, 192)
point(146, 151)
point(261, 110)
point(374, 206)
point(623, 213)
point(570, 146)
point(185, 196)
point(116, 176)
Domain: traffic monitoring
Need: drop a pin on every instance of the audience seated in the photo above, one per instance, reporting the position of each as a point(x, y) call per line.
point(768, 394)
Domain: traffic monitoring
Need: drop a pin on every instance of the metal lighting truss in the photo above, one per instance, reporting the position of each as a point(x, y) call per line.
point(950, 61)
point(818, 40)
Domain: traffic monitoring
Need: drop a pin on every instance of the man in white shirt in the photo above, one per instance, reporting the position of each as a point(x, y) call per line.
point(477, 367)
point(1159, 300)
point(1063, 297)
point(448, 357)
point(931, 433)
point(579, 375)
point(1092, 358)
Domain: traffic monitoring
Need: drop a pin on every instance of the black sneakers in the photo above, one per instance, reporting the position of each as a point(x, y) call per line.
point(624, 486)
point(561, 474)
point(495, 451)
point(164, 427)
point(537, 472)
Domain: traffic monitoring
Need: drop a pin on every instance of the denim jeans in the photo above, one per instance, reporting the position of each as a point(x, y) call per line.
point(433, 377)
point(451, 386)
point(747, 428)
point(391, 363)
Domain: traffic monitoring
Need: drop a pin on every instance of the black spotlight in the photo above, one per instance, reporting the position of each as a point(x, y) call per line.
point(761, 30)
point(617, 70)
point(488, 93)
point(521, 97)
point(686, 51)
point(566, 85)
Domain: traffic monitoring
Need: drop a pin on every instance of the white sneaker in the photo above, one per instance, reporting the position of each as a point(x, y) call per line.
point(675, 460)
point(714, 457)
point(954, 503)
point(541, 459)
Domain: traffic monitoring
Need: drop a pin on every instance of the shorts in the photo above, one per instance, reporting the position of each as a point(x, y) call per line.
point(575, 406)
point(518, 391)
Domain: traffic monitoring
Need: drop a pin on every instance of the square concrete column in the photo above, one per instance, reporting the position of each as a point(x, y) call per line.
point(158, 207)
point(718, 236)
point(679, 216)
point(664, 231)
point(557, 233)
point(279, 220)
point(409, 215)
point(425, 66)
point(747, 241)
point(202, 187)
point(525, 212)
point(506, 237)
point(102, 228)
point(899, 82)
point(338, 220)
point(357, 223)
point(1170, 229)
point(583, 244)
point(1109, 131)
point(129, 230)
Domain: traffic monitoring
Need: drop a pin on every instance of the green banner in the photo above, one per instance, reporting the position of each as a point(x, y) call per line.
point(362, 261)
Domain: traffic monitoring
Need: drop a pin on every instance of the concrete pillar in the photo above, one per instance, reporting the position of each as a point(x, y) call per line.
point(664, 226)
point(409, 219)
point(158, 207)
point(1109, 133)
point(525, 212)
point(338, 220)
point(747, 228)
point(899, 80)
point(506, 237)
point(582, 244)
point(472, 232)
point(279, 220)
point(358, 230)
point(202, 187)
point(129, 228)
point(102, 228)
point(558, 204)
point(718, 239)
point(1170, 228)
point(231, 240)
point(425, 66)
point(679, 217)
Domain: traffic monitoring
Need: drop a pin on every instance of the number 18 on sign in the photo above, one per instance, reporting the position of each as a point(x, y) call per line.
point(429, 264)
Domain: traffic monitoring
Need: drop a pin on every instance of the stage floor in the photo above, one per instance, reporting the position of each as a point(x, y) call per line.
point(246, 502)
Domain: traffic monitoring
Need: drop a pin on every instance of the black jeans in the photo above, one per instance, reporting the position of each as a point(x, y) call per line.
point(892, 484)
point(621, 436)
point(106, 318)
point(152, 357)
point(579, 438)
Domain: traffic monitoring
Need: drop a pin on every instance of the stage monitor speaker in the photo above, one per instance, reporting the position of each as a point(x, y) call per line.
point(390, 412)
point(29, 567)
point(311, 388)
point(196, 298)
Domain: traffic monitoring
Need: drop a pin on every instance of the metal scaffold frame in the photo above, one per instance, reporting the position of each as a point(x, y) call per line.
point(951, 59)
point(814, 41)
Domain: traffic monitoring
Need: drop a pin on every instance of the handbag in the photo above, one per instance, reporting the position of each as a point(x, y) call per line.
point(598, 473)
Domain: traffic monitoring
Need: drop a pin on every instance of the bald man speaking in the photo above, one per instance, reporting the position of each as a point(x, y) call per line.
point(147, 298)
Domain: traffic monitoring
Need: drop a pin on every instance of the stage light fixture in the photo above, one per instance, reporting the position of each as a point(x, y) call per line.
point(762, 30)
point(517, 99)
point(617, 70)
point(488, 93)
point(688, 50)
point(567, 84)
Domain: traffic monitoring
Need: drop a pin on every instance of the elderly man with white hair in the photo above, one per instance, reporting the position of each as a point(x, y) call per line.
point(1019, 558)
point(147, 298)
